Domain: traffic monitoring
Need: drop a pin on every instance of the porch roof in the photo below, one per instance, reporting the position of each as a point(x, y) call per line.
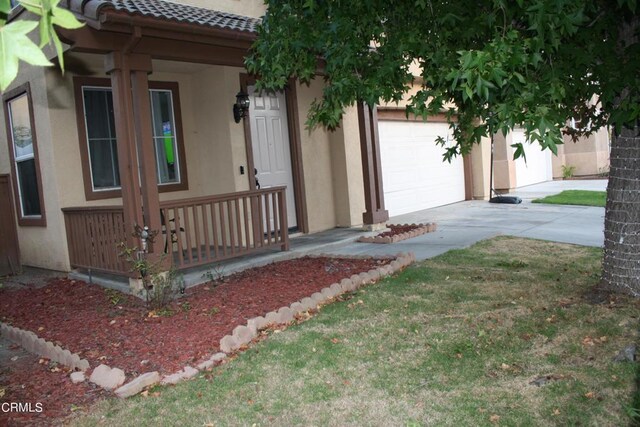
point(93, 12)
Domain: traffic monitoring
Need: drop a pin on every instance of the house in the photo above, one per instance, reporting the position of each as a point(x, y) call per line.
point(142, 130)
point(149, 125)
point(588, 156)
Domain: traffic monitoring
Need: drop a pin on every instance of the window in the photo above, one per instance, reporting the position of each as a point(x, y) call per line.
point(164, 137)
point(96, 126)
point(24, 156)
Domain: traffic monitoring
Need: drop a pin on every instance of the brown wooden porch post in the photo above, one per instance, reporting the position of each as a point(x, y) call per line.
point(371, 168)
point(140, 68)
point(117, 66)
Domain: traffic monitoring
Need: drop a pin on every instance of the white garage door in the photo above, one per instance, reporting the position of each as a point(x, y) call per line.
point(538, 167)
point(414, 175)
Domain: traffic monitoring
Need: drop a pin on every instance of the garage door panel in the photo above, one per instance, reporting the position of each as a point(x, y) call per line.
point(414, 174)
point(537, 168)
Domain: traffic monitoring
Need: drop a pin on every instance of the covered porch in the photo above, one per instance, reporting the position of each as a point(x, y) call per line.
point(220, 212)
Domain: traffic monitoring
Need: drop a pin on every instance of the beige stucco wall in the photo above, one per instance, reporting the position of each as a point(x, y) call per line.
point(252, 8)
point(589, 155)
point(504, 169)
point(40, 246)
point(346, 166)
point(480, 169)
point(316, 158)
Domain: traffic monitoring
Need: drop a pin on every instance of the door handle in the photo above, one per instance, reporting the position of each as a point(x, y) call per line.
point(255, 173)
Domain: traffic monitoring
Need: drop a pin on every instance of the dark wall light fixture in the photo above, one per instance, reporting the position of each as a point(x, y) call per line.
point(241, 106)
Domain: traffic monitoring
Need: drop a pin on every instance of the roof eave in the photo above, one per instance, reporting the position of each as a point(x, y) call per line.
point(112, 17)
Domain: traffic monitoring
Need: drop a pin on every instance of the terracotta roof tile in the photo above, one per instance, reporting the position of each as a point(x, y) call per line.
point(161, 9)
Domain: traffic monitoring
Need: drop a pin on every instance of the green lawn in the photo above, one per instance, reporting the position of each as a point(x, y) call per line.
point(456, 340)
point(576, 197)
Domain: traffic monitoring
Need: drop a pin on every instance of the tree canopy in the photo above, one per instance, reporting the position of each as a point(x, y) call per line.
point(490, 64)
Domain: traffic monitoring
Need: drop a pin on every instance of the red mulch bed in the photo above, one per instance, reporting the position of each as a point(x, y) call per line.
point(396, 229)
point(30, 379)
point(85, 319)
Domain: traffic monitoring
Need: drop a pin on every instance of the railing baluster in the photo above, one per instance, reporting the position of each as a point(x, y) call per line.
point(176, 221)
point(247, 238)
point(205, 229)
point(277, 229)
point(261, 219)
point(283, 219)
point(223, 229)
point(214, 229)
point(187, 233)
point(267, 218)
point(232, 231)
point(196, 230)
point(238, 224)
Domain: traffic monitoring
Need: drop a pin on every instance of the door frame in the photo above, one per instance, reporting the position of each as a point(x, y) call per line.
point(12, 238)
point(295, 148)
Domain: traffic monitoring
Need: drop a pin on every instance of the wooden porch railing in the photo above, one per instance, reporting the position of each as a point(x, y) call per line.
point(93, 236)
point(207, 229)
point(194, 231)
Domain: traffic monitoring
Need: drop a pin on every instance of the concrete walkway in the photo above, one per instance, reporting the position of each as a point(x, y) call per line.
point(462, 224)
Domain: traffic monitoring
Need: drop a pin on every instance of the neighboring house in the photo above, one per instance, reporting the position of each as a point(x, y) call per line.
point(589, 156)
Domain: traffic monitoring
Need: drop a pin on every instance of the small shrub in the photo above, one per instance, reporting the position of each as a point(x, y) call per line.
point(114, 297)
point(159, 287)
point(185, 306)
point(568, 171)
point(213, 311)
point(215, 275)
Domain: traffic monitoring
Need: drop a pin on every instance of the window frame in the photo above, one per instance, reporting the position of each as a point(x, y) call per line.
point(98, 82)
point(7, 97)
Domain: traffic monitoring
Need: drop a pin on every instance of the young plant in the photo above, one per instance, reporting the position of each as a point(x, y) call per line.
point(159, 285)
point(568, 171)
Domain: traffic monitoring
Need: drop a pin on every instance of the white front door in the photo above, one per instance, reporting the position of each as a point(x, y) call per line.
point(270, 144)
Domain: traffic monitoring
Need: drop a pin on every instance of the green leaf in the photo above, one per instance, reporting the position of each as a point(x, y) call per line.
point(65, 19)
point(15, 46)
point(5, 6)
point(519, 151)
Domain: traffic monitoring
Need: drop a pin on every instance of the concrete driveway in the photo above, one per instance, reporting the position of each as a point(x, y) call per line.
point(462, 224)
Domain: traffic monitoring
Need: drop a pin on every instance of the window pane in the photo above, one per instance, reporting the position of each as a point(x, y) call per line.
point(21, 127)
point(104, 163)
point(101, 136)
point(98, 110)
point(164, 136)
point(29, 196)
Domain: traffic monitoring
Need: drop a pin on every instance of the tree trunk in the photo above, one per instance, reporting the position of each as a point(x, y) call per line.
point(621, 264)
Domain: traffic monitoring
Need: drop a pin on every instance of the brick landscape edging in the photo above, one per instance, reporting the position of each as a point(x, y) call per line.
point(242, 335)
point(423, 229)
point(39, 346)
point(110, 378)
